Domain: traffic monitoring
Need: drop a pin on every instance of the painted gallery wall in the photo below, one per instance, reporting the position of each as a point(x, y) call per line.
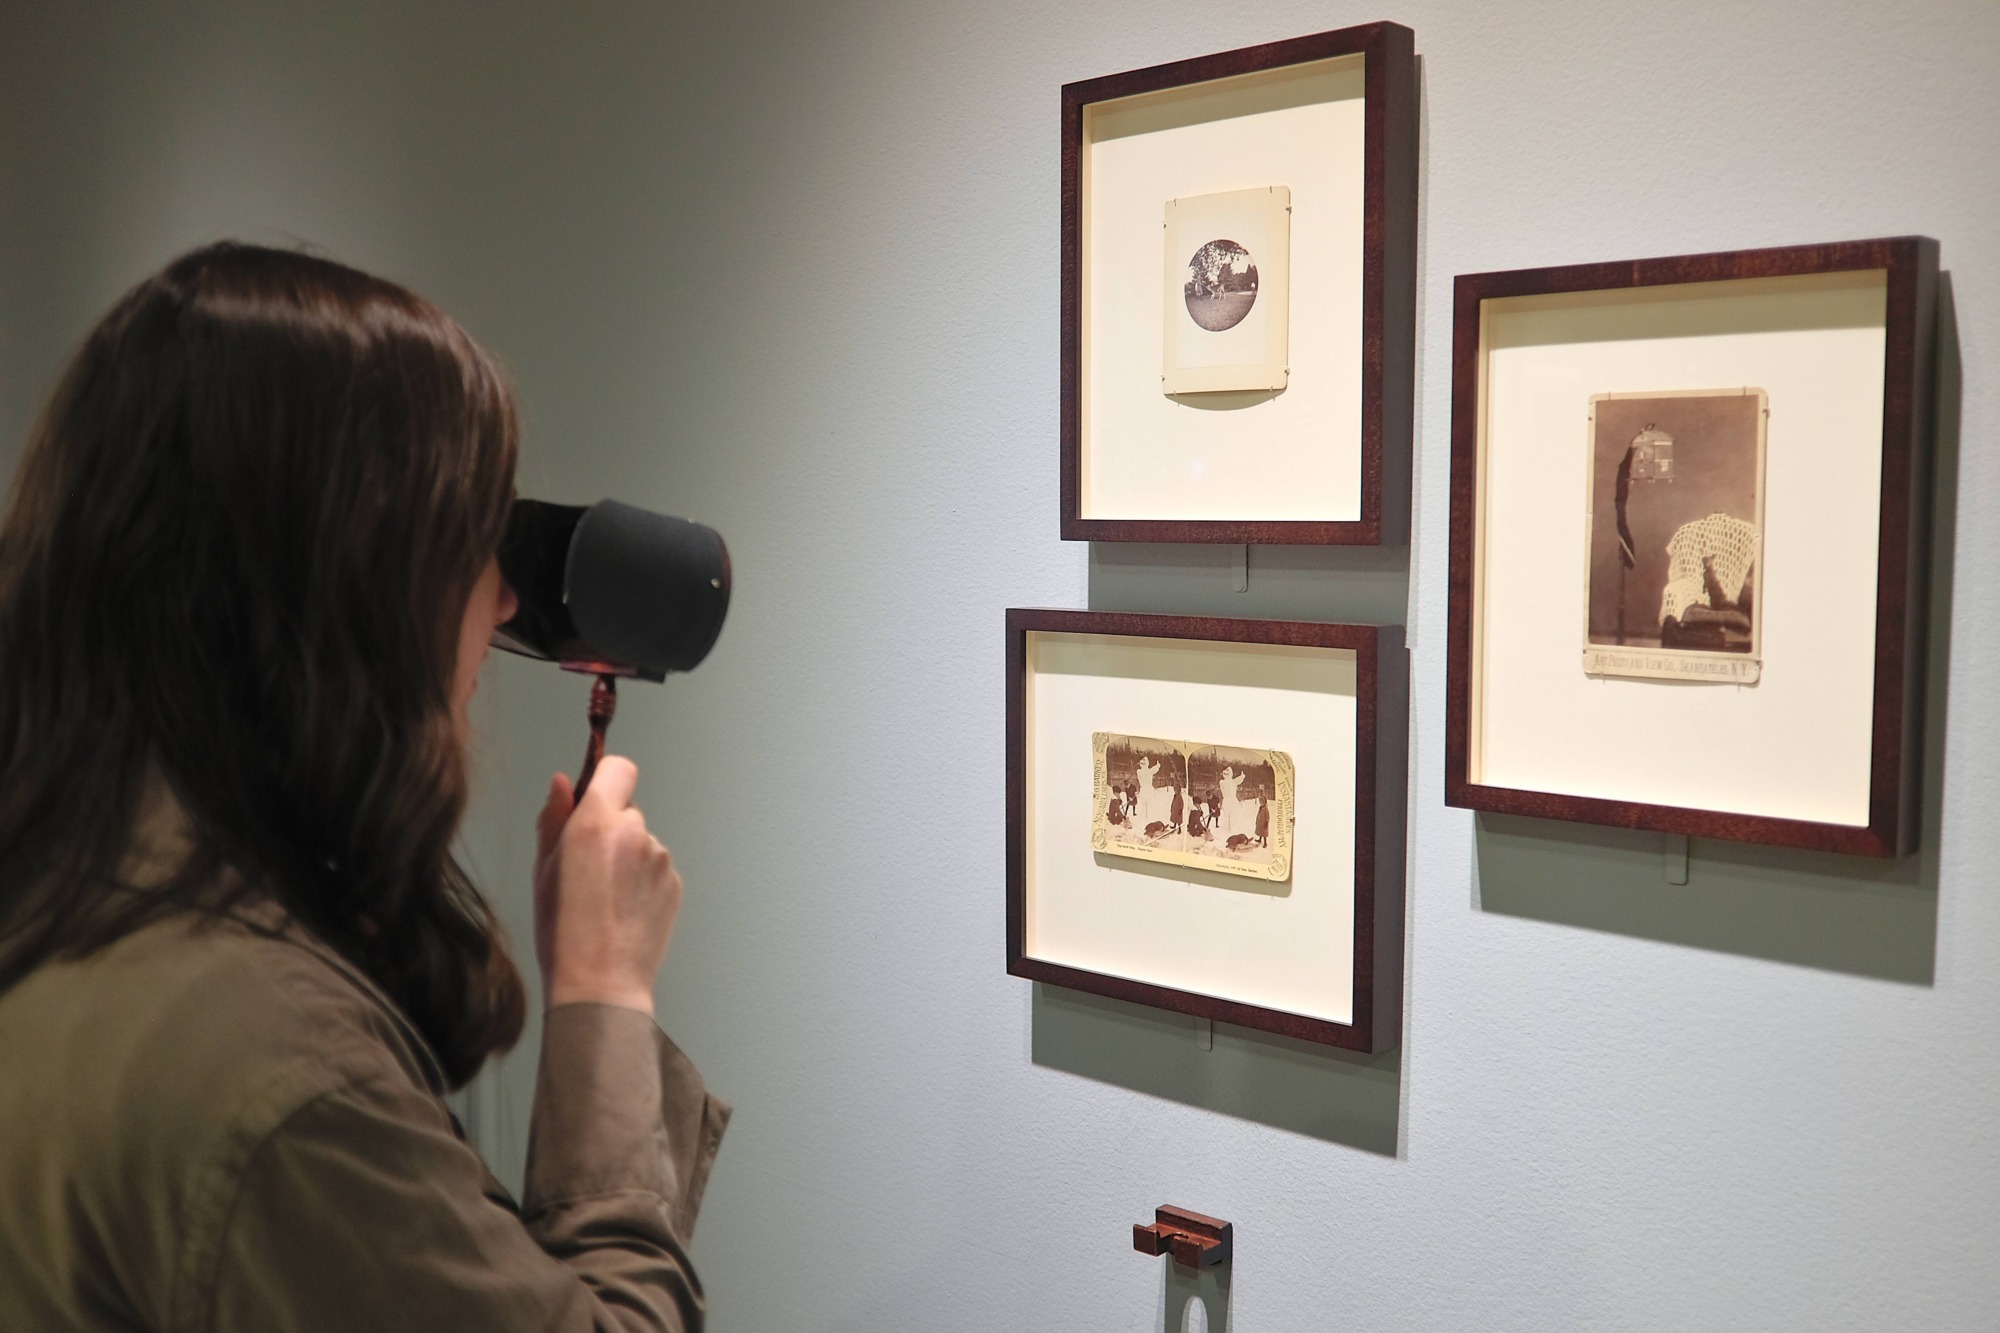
point(791, 269)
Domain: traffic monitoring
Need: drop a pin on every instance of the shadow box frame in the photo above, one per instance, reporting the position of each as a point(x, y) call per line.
point(1381, 768)
point(1387, 276)
point(1899, 538)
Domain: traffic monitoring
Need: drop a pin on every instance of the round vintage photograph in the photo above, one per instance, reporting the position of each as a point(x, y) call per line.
point(1221, 285)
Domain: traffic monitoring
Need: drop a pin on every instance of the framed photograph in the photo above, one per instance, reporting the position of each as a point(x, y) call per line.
point(1239, 295)
point(1717, 468)
point(1207, 815)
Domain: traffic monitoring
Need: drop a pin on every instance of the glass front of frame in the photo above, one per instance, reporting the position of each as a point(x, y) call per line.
point(1676, 547)
point(1189, 816)
point(1221, 326)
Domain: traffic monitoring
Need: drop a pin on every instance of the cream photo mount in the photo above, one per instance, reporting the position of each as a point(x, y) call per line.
point(1822, 749)
point(1315, 447)
point(1317, 957)
point(1227, 292)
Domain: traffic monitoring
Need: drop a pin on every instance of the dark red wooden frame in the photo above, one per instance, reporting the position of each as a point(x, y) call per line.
point(1381, 781)
point(1911, 263)
point(1388, 300)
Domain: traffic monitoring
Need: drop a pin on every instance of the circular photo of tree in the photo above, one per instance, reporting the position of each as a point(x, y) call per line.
point(1221, 285)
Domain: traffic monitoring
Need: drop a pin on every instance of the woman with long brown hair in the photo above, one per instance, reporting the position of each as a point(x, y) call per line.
point(247, 578)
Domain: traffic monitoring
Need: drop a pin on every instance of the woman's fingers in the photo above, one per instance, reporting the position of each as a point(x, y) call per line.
point(549, 824)
point(554, 814)
point(612, 786)
point(607, 894)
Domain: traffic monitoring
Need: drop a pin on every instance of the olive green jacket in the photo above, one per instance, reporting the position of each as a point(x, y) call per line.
point(226, 1127)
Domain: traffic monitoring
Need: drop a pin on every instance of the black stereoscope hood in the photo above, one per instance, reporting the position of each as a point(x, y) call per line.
point(612, 589)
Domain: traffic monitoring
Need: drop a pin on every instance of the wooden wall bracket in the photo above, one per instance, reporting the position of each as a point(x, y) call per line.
point(1193, 1240)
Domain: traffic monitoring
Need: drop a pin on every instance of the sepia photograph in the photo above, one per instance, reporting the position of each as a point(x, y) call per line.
point(1226, 308)
point(1141, 793)
point(1212, 807)
point(1234, 796)
point(1221, 285)
point(1675, 548)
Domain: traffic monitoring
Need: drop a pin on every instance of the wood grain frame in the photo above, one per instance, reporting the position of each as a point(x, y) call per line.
point(1911, 264)
point(1381, 777)
point(1389, 285)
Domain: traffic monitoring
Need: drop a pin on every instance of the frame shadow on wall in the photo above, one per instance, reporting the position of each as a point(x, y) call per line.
point(1301, 1086)
point(1814, 909)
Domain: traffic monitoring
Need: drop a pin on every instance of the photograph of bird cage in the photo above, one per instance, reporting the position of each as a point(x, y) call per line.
point(1674, 541)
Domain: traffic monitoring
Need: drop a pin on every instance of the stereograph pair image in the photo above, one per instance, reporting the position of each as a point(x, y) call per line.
point(1213, 807)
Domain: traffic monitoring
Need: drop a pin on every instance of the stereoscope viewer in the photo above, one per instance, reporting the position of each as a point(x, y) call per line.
point(612, 591)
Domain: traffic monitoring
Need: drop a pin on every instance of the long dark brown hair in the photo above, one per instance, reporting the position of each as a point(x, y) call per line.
point(238, 552)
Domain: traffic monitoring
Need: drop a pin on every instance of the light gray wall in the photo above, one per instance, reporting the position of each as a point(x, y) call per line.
point(792, 269)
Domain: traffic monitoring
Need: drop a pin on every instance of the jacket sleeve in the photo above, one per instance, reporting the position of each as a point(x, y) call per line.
point(364, 1209)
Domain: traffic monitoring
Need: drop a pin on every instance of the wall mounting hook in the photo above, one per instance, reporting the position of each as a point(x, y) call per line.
point(1193, 1240)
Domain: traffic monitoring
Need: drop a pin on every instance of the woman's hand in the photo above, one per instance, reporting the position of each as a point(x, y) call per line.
point(606, 893)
